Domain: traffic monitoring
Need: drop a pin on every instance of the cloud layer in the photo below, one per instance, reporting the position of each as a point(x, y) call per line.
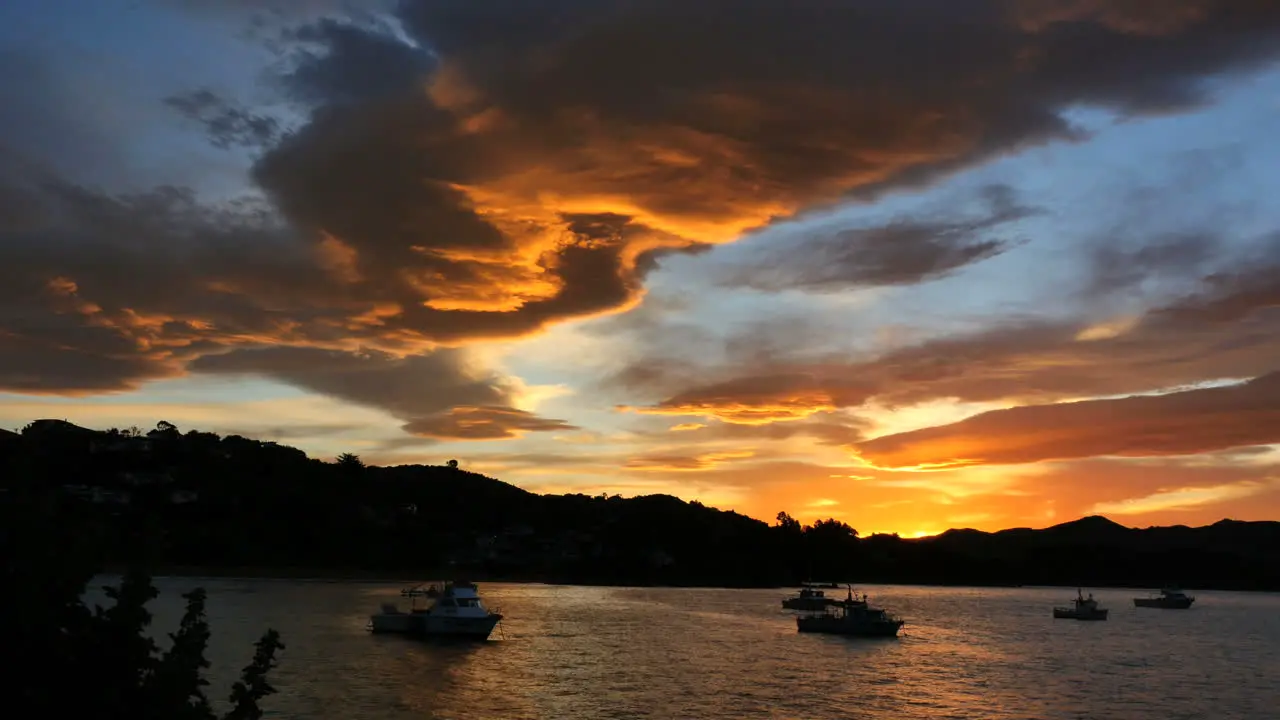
point(1229, 328)
point(905, 251)
point(1181, 423)
point(439, 395)
point(461, 171)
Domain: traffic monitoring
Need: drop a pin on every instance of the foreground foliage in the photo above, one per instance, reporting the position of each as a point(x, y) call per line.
point(63, 659)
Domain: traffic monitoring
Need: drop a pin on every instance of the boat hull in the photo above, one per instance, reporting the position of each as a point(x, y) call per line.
point(478, 628)
point(1073, 614)
point(422, 625)
point(808, 604)
point(392, 623)
point(1164, 603)
point(836, 626)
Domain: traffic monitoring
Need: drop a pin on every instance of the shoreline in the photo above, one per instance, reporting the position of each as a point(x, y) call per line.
point(339, 575)
point(331, 575)
point(264, 573)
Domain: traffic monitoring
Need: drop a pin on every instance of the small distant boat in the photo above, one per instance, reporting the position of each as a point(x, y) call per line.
point(851, 616)
point(1083, 608)
point(1168, 599)
point(810, 598)
point(457, 612)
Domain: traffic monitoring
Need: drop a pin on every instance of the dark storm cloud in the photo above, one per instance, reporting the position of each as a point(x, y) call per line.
point(902, 252)
point(405, 387)
point(514, 164)
point(129, 288)
point(340, 62)
point(227, 125)
point(699, 127)
point(1181, 256)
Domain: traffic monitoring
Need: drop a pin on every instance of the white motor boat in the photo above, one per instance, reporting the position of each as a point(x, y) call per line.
point(456, 612)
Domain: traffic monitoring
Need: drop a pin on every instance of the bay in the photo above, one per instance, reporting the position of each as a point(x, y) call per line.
point(606, 652)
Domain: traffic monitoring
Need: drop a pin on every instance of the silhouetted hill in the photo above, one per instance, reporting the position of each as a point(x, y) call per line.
point(233, 504)
point(1093, 529)
point(1099, 552)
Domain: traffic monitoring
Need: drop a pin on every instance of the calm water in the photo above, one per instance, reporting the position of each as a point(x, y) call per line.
point(582, 652)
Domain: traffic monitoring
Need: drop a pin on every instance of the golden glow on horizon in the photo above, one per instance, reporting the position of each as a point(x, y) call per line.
point(910, 504)
point(501, 217)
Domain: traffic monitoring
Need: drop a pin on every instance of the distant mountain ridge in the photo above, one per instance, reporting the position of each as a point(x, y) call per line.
point(196, 499)
point(1098, 528)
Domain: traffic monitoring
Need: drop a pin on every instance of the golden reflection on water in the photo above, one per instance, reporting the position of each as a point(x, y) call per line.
point(578, 652)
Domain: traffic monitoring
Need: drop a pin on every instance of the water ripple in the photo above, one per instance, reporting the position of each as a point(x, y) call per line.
point(577, 652)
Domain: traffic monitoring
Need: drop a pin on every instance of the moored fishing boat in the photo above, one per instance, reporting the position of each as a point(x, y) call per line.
point(457, 611)
point(851, 616)
point(1082, 608)
point(1168, 599)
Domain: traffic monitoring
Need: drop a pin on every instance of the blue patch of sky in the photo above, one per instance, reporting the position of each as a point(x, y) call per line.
point(195, 389)
point(1212, 170)
point(113, 62)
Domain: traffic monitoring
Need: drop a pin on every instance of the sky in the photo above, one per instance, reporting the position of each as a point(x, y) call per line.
point(914, 266)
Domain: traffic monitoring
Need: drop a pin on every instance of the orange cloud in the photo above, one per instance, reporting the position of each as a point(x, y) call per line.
point(339, 258)
point(681, 462)
point(760, 400)
point(1178, 423)
point(482, 423)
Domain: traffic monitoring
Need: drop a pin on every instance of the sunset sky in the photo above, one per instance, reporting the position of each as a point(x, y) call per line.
point(910, 264)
